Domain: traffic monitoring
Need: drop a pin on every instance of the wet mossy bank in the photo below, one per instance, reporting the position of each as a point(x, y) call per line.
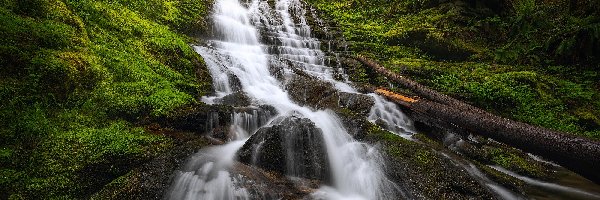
point(76, 80)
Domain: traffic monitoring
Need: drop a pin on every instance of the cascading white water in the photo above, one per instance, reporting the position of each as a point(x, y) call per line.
point(299, 47)
point(570, 192)
point(205, 176)
point(247, 122)
point(391, 117)
point(356, 167)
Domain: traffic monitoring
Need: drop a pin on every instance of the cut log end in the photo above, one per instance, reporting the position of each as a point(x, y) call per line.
point(394, 96)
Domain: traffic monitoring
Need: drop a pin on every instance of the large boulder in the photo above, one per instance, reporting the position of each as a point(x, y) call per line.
point(319, 94)
point(293, 146)
point(306, 90)
point(356, 126)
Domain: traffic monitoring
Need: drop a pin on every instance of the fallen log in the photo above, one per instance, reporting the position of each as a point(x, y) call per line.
point(579, 154)
point(420, 90)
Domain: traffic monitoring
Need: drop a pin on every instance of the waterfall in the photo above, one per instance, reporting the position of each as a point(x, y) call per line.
point(237, 54)
point(391, 117)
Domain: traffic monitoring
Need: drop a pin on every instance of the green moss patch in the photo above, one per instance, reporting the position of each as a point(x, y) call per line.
point(526, 60)
point(77, 75)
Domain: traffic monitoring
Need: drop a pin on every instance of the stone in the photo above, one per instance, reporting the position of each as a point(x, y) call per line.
point(236, 99)
point(293, 146)
point(323, 95)
point(306, 90)
point(358, 103)
point(197, 118)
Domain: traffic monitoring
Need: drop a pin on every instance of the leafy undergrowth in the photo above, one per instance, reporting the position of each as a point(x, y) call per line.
point(521, 93)
point(533, 61)
point(77, 75)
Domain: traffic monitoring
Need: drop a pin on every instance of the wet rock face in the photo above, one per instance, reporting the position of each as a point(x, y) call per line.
point(356, 126)
point(309, 91)
point(198, 118)
point(234, 83)
point(424, 172)
point(262, 184)
point(294, 146)
point(323, 95)
point(252, 118)
point(236, 99)
point(351, 108)
point(358, 103)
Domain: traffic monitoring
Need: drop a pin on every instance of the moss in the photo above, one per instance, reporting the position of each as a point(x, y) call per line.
point(109, 191)
point(77, 75)
point(496, 55)
point(516, 92)
point(71, 163)
point(401, 148)
point(502, 178)
point(515, 161)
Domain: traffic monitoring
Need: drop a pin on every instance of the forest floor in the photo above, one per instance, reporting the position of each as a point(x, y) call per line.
point(534, 62)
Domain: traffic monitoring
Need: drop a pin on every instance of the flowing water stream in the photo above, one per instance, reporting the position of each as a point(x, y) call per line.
point(258, 46)
point(237, 53)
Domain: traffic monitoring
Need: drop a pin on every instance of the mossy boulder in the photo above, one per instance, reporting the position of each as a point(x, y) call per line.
point(151, 179)
point(292, 146)
point(424, 171)
point(319, 94)
point(306, 90)
point(358, 103)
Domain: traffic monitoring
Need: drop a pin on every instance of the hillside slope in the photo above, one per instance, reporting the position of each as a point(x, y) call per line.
point(532, 61)
point(77, 75)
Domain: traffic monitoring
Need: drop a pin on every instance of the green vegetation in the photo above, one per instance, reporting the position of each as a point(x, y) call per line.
point(512, 161)
point(403, 149)
point(530, 60)
point(77, 75)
